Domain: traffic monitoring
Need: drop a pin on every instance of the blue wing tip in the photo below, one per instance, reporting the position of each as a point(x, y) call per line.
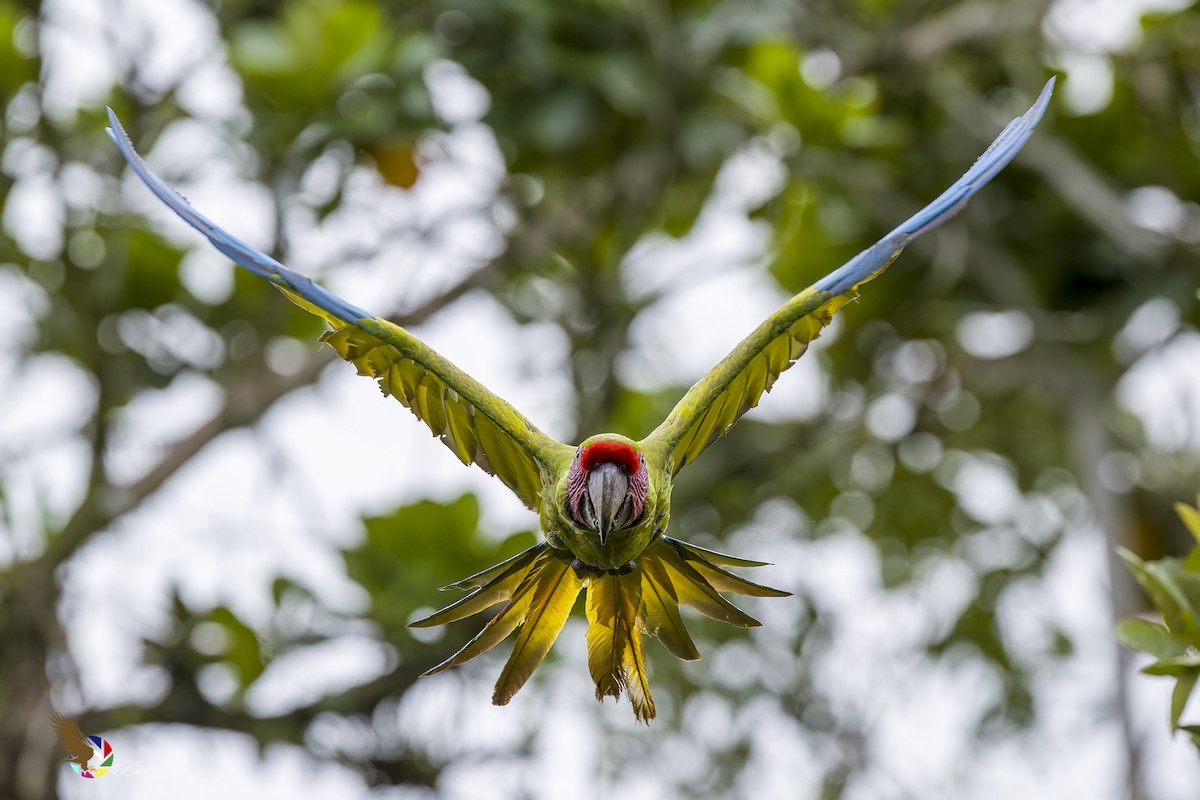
point(999, 153)
point(116, 131)
point(114, 122)
point(1043, 100)
point(243, 254)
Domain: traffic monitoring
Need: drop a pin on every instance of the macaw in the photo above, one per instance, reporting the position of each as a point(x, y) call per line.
point(604, 504)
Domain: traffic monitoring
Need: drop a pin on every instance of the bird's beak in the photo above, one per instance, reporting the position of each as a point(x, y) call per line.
point(608, 489)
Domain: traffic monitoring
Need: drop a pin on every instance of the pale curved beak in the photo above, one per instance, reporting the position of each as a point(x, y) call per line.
point(605, 505)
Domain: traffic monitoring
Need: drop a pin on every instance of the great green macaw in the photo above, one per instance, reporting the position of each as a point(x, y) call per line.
point(604, 504)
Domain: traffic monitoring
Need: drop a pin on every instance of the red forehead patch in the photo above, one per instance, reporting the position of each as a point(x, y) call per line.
point(617, 453)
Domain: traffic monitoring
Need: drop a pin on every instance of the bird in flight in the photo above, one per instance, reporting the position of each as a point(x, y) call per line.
point(73, 740)
point(604, 504)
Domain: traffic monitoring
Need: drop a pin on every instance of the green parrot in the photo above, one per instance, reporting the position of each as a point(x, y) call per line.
point(604, 504)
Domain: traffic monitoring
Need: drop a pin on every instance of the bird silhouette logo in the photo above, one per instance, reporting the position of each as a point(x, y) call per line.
point(82, 748)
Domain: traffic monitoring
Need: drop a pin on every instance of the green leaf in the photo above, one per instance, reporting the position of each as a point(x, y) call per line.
point(1193, 732)
point(1149, 637)
point(1191, 518)
point(1183, 690)
point(307, 56)
point(1175, 666)
point(1159, 580)
point(244, 650)
point(1189, 584)
point(407, 554)
point(1184, 590)
point(15, 67)
point(283, 587)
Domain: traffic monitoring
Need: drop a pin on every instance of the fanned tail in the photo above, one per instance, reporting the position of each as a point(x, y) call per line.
point(622, 608)
point(538, 588)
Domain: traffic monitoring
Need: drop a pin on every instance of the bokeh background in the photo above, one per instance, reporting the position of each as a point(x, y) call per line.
point(212, 536)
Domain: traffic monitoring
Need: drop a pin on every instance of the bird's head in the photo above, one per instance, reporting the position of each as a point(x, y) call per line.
point(607, 484)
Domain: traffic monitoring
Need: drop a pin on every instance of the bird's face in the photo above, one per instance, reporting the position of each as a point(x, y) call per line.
point(607, 486)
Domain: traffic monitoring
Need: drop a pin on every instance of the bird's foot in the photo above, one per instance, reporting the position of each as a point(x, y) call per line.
point(585, 571)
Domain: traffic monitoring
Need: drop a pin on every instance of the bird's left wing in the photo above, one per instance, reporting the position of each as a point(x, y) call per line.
point(737, 383)
point(474, 423)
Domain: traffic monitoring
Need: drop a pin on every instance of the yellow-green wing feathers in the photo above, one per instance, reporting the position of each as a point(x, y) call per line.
point(477, 426)
point(708, 564)
point(692, 589)
point(637, 677)
point(739, 381)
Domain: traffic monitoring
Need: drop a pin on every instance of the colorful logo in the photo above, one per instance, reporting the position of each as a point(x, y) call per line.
point(105, 753)
point(82, 748)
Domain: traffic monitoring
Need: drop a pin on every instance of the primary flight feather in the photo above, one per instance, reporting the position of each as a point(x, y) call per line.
point(603, 505)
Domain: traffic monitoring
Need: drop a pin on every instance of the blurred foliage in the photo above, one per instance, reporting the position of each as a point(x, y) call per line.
point(966, 412)
point(1173, 585)
point(424, 545)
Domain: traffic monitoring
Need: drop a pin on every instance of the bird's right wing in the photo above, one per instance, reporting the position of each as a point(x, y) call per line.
point(737, 383)
point(478, 426)
point(69, 734)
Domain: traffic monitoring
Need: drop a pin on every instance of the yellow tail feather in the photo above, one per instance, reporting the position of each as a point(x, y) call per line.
point(725, 581)
point(497, 587)
point(615, 656)
point(606, 635)
point(660, 612)
point(557, 588)
point(637, 680)
point(504, 623)
point(693, 590)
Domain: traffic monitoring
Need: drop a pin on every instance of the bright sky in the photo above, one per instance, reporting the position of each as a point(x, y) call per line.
point(228, 550)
